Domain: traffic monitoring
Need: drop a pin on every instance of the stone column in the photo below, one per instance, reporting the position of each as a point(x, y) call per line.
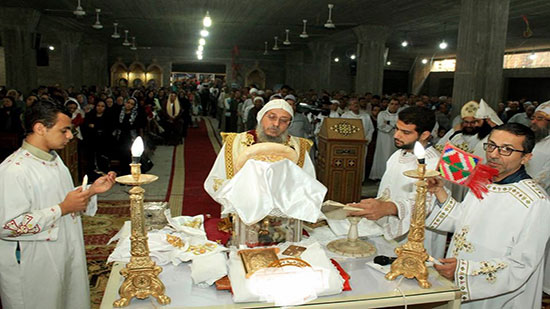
point(371, 46)
point(71, 55)
point(480, 52)
point(17, 28)
point(322, 56)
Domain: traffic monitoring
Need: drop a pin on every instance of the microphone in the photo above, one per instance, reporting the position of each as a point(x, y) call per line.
point(384, 260)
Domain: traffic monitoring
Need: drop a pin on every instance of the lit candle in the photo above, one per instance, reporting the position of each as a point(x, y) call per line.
point(419, 152)
point(137, 149)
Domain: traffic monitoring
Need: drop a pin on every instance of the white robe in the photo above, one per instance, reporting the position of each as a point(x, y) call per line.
point(368, 128)
point(499, 244)
point(539, 168)
point(218, 174)
point(402, 191)
point(385, 145)
point(52, 272)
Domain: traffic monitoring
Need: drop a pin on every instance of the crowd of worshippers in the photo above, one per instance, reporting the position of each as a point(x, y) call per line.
point(107, 120)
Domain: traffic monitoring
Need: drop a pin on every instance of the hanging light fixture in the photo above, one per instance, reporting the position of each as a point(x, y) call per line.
point(126, 42)
point(204, 33)
point(207, 21)
point(336, 59)
point(79, 11)
point(286, 41)
point(304, 34)
point(329, 24)
point(265, 49)
point(115, 34)
point(352, 57)
point(133, 47)
point(533, 56)
point(200, 48)
point(443, 45)
point(97, 24)
point(424, 61)
point(275, 47)
point(388, 63)
point(405, 43)
point(202, 41)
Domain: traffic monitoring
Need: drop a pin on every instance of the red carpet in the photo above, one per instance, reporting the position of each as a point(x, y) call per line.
point(199, 157)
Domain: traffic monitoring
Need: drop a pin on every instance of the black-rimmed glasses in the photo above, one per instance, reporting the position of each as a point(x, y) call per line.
point(502, 150)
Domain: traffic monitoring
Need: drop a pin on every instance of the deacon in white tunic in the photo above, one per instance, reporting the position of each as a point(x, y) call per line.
point(539, 165)
point(497, 251)
point(396, 194)
point(368, 128)
point(43, 262)
point(385, 123)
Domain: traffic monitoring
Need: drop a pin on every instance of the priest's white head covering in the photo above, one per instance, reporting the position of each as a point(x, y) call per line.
point(274, 104)
point(290, 97)
point(544, 108)
point(469, 109)
point(253, 90)
point(258, 98)
point(486, 112)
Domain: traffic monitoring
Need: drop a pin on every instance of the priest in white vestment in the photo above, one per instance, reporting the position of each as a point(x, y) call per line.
point(497, 252)
point(490, 120)
point(385, 123)
point(43, 262)
point(273, 122)
point(539, 165)
point(368, 128)
point(396, 194)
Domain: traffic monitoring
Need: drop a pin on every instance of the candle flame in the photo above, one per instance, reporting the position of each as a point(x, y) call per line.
point(419, 151)
point(137, 147)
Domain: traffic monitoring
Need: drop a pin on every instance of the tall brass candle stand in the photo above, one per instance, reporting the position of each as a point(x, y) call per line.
point(141, 273)
point(411, 257)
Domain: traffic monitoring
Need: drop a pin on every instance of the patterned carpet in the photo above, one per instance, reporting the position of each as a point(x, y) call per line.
point(98, 230)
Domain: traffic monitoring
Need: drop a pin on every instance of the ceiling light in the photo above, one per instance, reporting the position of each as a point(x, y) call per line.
point(388, 63)
point(200, 48)
point(79, 11)
point(97, 24)
point(443, 44)
point(198, 52)
point(329, 24)
point(336, 59)
point(202, 41)
point(286, 41)
point(352, 57)
point(275, 46)
point(304, 35)
point(424, 61)
point(126, 42)
point(265, 48)
point(207, 21)
point(199, 56)
point(51, 47)
point(533, 56)
point(115, 34)
point(405, 43)
point(133, 47)
point(204, 33)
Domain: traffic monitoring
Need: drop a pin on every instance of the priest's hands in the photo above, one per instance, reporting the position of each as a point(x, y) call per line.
point(374, 209)
point(75, 201)
point(448, 268)
point(102, 184)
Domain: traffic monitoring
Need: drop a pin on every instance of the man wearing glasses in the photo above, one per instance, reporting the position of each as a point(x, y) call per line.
point(273, 122)
point(497, 251)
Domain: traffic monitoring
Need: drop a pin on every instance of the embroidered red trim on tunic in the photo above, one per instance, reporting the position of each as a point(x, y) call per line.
point(24, 228)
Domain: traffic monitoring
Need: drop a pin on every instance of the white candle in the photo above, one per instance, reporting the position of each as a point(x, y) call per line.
point(137, 149)
point(419, 152)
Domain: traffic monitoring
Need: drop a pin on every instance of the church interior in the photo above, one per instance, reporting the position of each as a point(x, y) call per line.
point(188, 77)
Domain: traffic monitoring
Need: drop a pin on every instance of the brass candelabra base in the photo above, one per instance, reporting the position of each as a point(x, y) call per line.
point(141, 273)
point(410, 264)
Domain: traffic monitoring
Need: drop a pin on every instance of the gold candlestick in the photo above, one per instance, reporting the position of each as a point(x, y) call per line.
point(411, 257)
point(141, 273)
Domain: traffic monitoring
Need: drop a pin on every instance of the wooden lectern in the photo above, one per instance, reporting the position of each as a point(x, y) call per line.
point(340, 162)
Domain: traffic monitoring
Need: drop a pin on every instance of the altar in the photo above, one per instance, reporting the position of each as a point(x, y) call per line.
point(369, 288)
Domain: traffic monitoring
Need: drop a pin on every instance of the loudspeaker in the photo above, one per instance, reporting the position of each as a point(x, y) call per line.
point(42, 57)
point(35, 40)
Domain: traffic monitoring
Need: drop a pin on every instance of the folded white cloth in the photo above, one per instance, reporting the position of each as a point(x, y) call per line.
point(263, 188)
point(314, 255)
point(208, 269)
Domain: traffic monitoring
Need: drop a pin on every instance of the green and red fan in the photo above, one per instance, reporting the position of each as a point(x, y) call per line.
point(465, 169)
